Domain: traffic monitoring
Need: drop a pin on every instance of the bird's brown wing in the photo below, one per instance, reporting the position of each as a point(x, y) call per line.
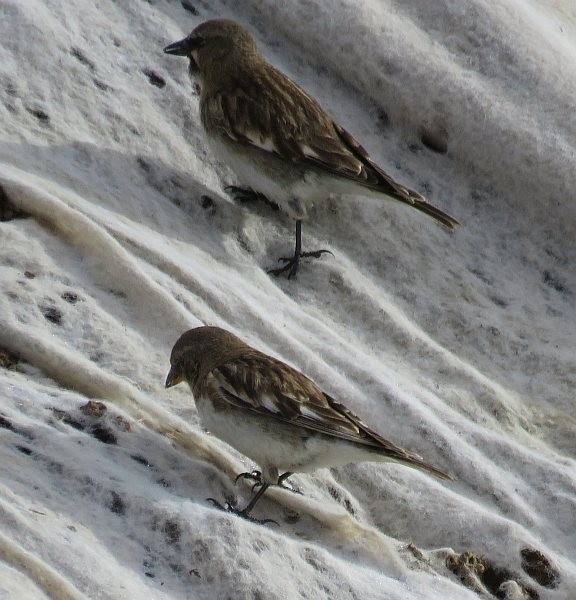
point(271, 388)
point(274, 114)
point(270, 112)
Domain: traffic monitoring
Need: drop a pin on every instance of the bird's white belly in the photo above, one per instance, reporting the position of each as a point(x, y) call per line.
point(292, 188)
point(277, 446)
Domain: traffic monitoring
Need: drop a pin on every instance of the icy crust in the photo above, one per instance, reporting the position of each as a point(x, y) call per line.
point(116, 236)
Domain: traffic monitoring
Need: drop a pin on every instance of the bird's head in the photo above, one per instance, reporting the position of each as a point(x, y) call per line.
point(185, 358)
point(214, 42)
point(198, 351)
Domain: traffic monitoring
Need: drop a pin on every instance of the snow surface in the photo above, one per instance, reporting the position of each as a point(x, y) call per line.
point(457, 346)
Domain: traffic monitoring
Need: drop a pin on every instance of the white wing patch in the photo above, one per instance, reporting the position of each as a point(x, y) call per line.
point(269, 402)
point(268, 145)
point(305, 411)
point(309, 152)
point(228, 388)
point(257, 140)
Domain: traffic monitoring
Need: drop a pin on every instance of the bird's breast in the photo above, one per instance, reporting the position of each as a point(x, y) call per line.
point(282, 182)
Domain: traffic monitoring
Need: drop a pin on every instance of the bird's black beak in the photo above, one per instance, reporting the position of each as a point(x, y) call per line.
point(184, 47)
point(174, 377)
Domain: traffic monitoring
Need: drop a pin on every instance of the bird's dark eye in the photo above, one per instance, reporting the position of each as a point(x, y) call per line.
point(196, 42)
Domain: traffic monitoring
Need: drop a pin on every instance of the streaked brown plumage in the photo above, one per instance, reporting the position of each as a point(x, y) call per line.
point(271, 412)
point(277, 137)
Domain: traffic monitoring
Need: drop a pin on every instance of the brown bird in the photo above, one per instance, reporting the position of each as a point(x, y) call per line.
point(272, 413)
point(276, 137)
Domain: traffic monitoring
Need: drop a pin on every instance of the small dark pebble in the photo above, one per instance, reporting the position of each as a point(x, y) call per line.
point(117, 293)
point(39, 114)
point(122, 423)
point(101, 85)
point(492, 577)
point(383, 118)
point(499, 301)
point(6, 424)
point(93, 408)
point(24, 450)
point(29, 274)
point(348, 506)
point(416, 552)
point(116, 504)
point(81, 57)
point(65, 417)
point(143, 164)
point(70, 297)
point(334, 493)
point(140, 459)
point(187, 5)
point(7, 210)
point(552, 281)
point(538, 566)
point(154, 78)
point(172, 532)
point(291, 516)
point(8, 360)
point(52, 314)
point(206, 202)
point(176, 182)
point(103, 434)
point(435, 139)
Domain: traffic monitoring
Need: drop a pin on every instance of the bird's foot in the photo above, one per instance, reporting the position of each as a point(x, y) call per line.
point(293, 262)
point(313, 254)
point(230, 507)
point(288, 487)
point(246, 195)
point(255, 476)
point(291, 266)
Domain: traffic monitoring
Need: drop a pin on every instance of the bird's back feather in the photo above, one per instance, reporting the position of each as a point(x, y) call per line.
point(267, 110)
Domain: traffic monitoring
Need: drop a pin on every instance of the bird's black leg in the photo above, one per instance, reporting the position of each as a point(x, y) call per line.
point(280, 483)
point(245, 195)
point(230, 506)
point(256, 476)
point(292, 263)
point(245, 512)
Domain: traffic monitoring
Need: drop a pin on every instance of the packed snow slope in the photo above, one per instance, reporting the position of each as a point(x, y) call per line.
point(117, 236)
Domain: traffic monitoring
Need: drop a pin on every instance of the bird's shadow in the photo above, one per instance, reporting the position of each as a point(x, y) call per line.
point(143, 189)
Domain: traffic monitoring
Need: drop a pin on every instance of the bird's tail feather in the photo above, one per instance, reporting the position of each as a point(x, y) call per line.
point(408, 196)
point(417, 463)
point(437, 214)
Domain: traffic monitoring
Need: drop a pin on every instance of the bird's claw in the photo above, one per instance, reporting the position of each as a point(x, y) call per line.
point(312, 254)
point(230, 507)
point(254, 475)
point(316, 253)
point(290, 489)
point(291, 263)
point(291, 266)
